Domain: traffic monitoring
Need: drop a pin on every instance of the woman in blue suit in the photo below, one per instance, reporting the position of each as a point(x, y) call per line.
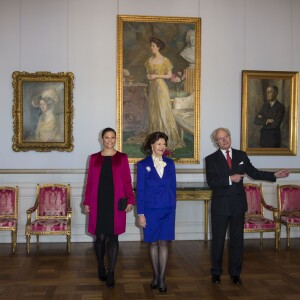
point(156, 204)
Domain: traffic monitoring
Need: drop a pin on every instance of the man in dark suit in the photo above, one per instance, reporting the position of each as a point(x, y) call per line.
point(270, 117)
point(229, 203)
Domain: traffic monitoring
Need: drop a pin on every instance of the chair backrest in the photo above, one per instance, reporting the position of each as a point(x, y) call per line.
point(52, 200)
point(9, 202)
point(254, 199)
point(288, 198)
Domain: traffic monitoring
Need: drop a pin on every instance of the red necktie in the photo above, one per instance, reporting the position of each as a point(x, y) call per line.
point(229, 161)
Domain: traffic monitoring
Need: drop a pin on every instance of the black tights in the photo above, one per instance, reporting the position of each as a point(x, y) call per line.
point(159, 258)
point(113, 249)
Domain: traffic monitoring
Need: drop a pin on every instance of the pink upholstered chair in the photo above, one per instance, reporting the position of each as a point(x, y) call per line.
point(254, 218)
point(289, 207)
point(52, 213)
point(9, 212)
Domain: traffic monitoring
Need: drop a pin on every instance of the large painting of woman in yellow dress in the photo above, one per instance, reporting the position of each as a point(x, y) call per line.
point(158, 85)
point(159, 68)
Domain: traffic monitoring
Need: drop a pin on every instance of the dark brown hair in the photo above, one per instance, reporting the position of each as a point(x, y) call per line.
point(151, 139)
point(159, 43)
point(107, 129)
point(275, 88)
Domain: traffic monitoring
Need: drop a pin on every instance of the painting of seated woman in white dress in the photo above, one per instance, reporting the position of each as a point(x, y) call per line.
point(46, 116)
point(43, 111)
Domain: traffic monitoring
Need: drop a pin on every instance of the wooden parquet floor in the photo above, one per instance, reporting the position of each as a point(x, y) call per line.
point(49, 273)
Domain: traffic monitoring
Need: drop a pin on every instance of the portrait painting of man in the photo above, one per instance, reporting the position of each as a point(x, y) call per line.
point(269, 112)
point(269, 118)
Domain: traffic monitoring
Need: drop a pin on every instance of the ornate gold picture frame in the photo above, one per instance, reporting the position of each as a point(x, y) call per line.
point(269, 112)
point(43, 111)
point(163, 96)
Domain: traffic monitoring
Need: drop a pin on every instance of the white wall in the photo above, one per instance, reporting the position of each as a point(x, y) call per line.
point(80, 36)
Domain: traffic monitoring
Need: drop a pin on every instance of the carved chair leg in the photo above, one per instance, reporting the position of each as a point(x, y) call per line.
point(28, 243)
point(288, 235)
point(261, 240)
point(69, 243)
point(14, 240)
point(38, 241)
point(277, 238)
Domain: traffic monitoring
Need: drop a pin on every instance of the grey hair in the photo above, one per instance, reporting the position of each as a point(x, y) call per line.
point(218, 129)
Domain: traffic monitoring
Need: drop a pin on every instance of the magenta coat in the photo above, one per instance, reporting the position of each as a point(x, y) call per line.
point(122, 188)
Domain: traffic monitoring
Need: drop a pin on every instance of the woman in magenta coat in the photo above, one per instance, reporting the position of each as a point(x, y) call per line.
point(108, 181)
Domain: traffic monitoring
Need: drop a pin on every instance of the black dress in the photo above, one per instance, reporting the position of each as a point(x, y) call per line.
point(105, 219)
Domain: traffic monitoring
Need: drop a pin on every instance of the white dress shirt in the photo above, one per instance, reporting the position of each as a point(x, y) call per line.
point(159, 165)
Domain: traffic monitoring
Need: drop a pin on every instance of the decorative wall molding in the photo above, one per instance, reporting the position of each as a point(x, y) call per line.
point(189, 214)
point(133, 170)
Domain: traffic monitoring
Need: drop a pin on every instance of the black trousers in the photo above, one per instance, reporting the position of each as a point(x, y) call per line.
point(220, 224)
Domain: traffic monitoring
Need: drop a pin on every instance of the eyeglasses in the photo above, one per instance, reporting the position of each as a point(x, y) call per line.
point(224, 138)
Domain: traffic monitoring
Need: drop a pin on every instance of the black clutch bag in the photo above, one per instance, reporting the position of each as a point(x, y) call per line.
point(122, 204)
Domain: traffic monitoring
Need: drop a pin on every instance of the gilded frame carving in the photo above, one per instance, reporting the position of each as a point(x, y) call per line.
point(43, 111)
point(265, 130)
point(180, 34)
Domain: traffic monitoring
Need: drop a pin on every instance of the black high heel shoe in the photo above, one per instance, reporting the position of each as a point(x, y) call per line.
point(154, 283)
point(154, 286)
point(110, 282)
point(163, 290)
point(162, 287)
point(102, 274)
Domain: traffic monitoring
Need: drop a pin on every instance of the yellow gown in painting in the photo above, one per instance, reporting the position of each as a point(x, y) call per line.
point(161, 117)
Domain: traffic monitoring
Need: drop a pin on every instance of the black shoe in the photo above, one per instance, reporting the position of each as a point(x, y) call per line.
point(163, 289)
point(154, 285)
point(236, 279)
point(102, 274)
point(103, 277)
point(110, 282)
point(162, 286)
point(216, 279)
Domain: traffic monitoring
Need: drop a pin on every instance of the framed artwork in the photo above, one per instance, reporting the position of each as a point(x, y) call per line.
point(269, 112)
point(158, 84)
point(43, 111)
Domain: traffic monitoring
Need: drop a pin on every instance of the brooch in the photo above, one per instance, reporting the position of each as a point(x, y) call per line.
point(148, 168)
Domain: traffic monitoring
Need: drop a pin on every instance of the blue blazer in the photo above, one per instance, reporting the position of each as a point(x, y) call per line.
point(154, 192)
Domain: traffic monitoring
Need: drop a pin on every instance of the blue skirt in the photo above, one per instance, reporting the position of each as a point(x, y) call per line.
point(160, 225)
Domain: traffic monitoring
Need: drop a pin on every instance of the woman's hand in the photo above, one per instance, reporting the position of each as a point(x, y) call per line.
point(128, 208)
point(142, 221)
point(152, 76)
point(87, 209)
